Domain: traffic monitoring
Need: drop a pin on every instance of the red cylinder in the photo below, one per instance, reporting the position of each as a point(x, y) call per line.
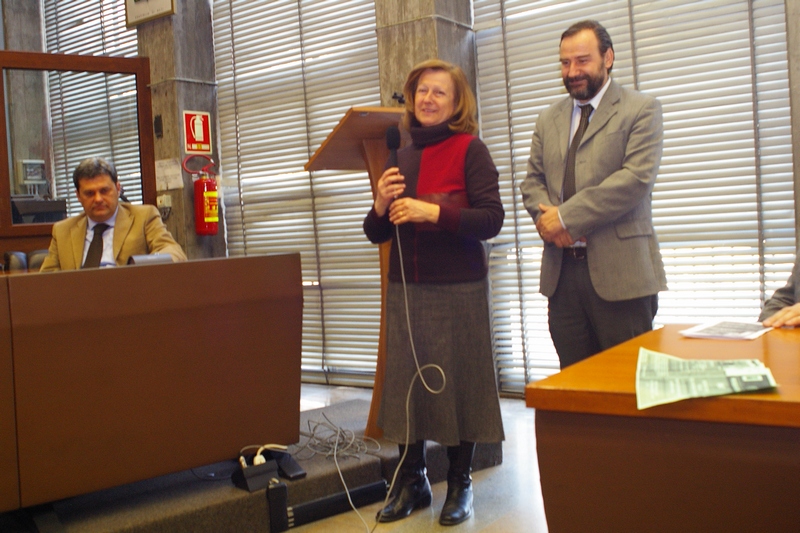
point(206, 214)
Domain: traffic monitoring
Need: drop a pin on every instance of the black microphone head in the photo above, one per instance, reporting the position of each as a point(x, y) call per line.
point(393, 137)
point(392, 143)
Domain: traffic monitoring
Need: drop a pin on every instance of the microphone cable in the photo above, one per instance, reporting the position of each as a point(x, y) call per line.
point(417, 374)
point(411, 339)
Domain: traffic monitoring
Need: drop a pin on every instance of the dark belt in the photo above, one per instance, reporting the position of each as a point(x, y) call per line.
point(577, 252)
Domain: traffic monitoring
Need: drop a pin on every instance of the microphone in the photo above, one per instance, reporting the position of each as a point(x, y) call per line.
point(392, 143)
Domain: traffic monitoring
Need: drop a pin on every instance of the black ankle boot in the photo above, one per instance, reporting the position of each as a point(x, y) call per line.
point(458, 504)
point(412, 489)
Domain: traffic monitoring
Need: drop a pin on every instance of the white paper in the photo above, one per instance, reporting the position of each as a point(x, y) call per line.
point(662, 378)
point(726, 330)
point(168, 175)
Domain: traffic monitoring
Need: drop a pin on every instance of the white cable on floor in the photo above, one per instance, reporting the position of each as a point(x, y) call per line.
point(337, 443)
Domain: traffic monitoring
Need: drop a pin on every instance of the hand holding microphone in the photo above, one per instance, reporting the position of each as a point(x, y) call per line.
point(391, 183)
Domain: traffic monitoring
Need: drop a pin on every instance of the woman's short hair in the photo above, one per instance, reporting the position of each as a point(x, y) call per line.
point(465, 109)
point(91, 168)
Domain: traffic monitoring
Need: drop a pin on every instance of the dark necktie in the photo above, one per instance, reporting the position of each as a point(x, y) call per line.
point(569, 172)
point(95, 247)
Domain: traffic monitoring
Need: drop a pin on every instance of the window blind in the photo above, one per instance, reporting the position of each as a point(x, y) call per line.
point(287, 72)
point(723, 201)
point(92, 114)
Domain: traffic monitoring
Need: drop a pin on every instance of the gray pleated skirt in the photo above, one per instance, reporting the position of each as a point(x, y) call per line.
point(450, 328)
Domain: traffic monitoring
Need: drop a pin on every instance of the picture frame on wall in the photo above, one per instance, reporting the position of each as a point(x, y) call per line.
point(32, 171)
point(138, 11)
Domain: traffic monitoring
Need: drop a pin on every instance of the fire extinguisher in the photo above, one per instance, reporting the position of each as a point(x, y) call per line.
point(206, 212)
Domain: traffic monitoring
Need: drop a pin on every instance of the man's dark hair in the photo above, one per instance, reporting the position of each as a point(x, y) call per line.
point(93, 167)
point(603, 38)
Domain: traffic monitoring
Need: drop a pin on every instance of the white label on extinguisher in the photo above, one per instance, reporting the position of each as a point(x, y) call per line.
point(210, 213)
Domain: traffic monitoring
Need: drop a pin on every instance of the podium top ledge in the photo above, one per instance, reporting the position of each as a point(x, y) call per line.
point(343, 148)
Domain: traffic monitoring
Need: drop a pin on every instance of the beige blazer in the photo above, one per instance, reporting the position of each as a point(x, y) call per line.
point(138, 230)
point(615, 170)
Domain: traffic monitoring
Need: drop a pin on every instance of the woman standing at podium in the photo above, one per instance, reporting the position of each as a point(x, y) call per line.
point(437, 206)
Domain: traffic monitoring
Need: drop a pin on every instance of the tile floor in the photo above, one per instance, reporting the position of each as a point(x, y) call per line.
point(508, 497)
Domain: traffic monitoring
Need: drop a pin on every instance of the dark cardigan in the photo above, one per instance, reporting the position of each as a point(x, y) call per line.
point(455, 171)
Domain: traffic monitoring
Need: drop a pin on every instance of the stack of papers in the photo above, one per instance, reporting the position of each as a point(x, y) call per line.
point(726, 330)
point(662, 378)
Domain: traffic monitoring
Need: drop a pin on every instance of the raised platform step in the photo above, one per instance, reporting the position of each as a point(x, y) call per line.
point(206, 499)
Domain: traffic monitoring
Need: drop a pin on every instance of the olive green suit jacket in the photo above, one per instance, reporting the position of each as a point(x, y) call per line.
point(138, 230)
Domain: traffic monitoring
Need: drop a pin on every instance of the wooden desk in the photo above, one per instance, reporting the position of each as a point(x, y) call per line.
point(9, 471)
point(726, 463)
point(123, 374)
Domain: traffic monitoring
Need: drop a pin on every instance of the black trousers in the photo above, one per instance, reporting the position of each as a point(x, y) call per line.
point(583, 324)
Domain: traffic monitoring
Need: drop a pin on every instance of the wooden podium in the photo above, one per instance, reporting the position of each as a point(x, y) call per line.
point(358, 142)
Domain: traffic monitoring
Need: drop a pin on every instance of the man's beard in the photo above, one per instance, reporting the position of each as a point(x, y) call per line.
point(592, 87)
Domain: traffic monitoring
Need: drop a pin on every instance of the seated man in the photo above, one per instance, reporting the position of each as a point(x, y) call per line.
point(783, 309)
point(122, 229)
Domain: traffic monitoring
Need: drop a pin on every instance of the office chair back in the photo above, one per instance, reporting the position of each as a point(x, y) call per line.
point(15, 262)
point(35, 259)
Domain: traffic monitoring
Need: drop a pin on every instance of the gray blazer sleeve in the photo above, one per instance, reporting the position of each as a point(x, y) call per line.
point(786, 296)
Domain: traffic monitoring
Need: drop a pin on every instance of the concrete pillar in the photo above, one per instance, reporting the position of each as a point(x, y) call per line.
point(28, 117)
point(22, 25)
point(182, 78)
point(793, 50)
point(413, 31)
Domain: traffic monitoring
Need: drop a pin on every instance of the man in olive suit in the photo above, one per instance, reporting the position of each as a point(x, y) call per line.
point(122, 229)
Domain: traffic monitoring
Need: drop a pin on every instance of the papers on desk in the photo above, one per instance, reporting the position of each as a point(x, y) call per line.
point(662, 378)
point(726, 330)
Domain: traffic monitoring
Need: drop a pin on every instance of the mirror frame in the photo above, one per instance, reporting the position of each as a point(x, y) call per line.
point(138, 66)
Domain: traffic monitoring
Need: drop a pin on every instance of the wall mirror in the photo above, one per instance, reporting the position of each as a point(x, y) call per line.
point(57, 110)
